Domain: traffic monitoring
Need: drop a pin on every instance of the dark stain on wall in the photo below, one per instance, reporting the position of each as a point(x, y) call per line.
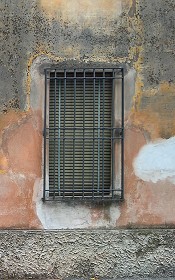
point(26, 31)
point(159, 40)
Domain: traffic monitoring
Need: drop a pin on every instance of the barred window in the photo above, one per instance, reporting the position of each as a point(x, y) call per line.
point(80, 134)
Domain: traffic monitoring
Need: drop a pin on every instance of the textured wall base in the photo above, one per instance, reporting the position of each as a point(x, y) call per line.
point(87, 254)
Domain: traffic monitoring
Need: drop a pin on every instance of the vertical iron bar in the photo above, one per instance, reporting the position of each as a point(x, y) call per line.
point(98, 162)
point(55, 99)
point(45, 112)
point(103, 135)
point(122, 144)
point(64, 133)
point(84, 100)
point(113, 146)
point(93, 150)
point(59, 127)
point(74, 132)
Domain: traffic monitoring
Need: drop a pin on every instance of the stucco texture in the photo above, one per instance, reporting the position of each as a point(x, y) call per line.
point(135, 34)
point(99, 254)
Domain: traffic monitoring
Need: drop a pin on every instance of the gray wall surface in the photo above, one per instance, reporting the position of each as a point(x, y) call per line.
point(87, 254)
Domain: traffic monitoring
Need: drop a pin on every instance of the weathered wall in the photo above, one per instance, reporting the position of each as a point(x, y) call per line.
point(98, 254)
point(135, 34)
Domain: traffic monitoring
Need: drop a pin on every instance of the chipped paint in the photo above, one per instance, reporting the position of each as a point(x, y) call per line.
point(136, 54)
point(72, 10)
point(33, 57)
point(138, 66)
point(3, 163)
point(20, 165)
point(156, 110)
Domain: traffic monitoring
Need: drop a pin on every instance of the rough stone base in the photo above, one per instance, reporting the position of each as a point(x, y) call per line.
point(87, 254)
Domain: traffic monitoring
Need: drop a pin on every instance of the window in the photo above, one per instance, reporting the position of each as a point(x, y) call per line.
point(80, 134)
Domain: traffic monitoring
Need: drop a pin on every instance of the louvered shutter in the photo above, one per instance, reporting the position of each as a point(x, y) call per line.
point(80, 135)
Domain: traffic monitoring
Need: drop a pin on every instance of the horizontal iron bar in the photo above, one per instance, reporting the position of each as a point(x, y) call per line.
point(85, 138)
point(78, 189)
point(83, 69)
point(79, 196)
point(84, 128)
point(84, 78)
point(83, 198)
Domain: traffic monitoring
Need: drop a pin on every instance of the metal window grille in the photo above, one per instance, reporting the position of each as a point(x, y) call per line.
point(80, 134)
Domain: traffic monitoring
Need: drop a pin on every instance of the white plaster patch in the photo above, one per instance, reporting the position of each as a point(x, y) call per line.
point(60, 215)
point(55, 215)
point(156, 161)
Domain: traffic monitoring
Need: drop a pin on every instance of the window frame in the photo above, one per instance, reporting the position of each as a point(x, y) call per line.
point(117, 132)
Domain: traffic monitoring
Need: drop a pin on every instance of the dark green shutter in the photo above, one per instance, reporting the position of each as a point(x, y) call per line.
point(80, 135)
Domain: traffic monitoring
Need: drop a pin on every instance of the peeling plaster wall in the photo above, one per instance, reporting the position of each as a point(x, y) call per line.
point(135, 34)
